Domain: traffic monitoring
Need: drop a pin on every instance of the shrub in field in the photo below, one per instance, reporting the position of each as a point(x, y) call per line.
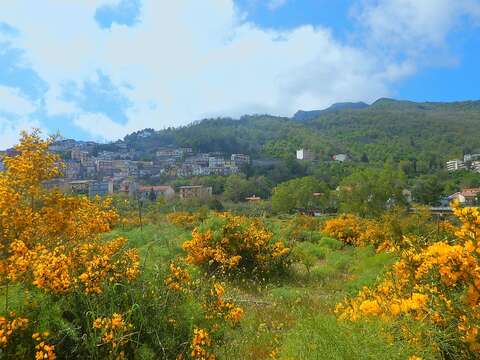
point(184, 219)
point(308, 253)
point(387, 232)
point(49, 242)
point(69, 293)
point(349, 229)
point(436, 284)
point(303, 228)
point(236, 243)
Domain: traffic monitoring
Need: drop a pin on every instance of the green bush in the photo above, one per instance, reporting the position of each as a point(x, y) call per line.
point(330, 243)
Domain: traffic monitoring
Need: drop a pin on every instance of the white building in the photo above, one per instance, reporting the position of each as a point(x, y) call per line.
point(240, 159)
point(471, 157)
point(340, 157)
point(170, 153)
point(198, 170)
point(216, 162)
point(454, 165)
point(304, 154)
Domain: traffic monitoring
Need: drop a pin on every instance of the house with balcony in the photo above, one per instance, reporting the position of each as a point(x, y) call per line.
point(455, 165)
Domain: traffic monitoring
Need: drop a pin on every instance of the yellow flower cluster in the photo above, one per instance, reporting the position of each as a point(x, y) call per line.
point(184, 219)
point(113, 331)
point(51, 240)
point(178, 279)
point(231, 242)
point(43, 350)
point(386, 233)
point(349, 229)
point(218, 308)
point(107, 261)
point(9, 326)
point(61, 270)
point(438, 283)
point(201, 342)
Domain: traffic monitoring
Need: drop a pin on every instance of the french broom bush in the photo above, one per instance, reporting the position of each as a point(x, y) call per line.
point(69, 292)
point(236, 245)
point(435, 284)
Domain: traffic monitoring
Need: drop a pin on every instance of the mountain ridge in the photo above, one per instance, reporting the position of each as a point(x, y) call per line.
point(303, 115)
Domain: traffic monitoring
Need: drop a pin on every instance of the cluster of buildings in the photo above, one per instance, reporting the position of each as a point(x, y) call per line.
point(211, 164)
point(86, 164)
point(469, 162)
point(91, 172)
point(88, 171)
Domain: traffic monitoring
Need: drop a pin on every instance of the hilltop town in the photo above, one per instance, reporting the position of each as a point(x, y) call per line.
point(91, 170)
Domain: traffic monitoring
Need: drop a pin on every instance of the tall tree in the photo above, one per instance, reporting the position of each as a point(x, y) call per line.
point(306, 193)
point(368, 192)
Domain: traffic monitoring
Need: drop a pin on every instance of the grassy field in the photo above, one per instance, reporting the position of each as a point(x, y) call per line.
point(292, 317)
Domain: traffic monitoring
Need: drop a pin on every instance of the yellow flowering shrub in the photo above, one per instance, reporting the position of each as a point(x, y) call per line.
point(50, 239)
point(201, 345)
point(179, 278)
point(347, 228)
point(386, 233)
point(8, 326)
point(184, 219)
point(217, 308)
point(114, 333)
point(436, 283)
point(228, 242)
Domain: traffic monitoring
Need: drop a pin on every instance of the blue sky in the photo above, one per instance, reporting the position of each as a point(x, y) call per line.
point(99, 69)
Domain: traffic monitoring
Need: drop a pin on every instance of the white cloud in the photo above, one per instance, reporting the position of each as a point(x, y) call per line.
point(12, 102)
point(412, 26)
point(276, 4)
point(189, 59)
point(10, 130)
point(101, 126)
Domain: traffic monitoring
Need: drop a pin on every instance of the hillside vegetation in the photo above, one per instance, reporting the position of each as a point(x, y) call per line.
point(428, 133)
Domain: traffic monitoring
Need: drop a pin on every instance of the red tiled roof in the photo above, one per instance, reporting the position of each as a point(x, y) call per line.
point(470, 192)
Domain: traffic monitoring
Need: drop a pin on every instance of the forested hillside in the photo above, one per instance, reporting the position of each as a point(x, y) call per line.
point(424, 133)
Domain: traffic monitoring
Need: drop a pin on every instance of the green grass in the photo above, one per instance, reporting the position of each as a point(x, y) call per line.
point(157, 243)
point(292, 316)
point(323, 337)
point(295, 317)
